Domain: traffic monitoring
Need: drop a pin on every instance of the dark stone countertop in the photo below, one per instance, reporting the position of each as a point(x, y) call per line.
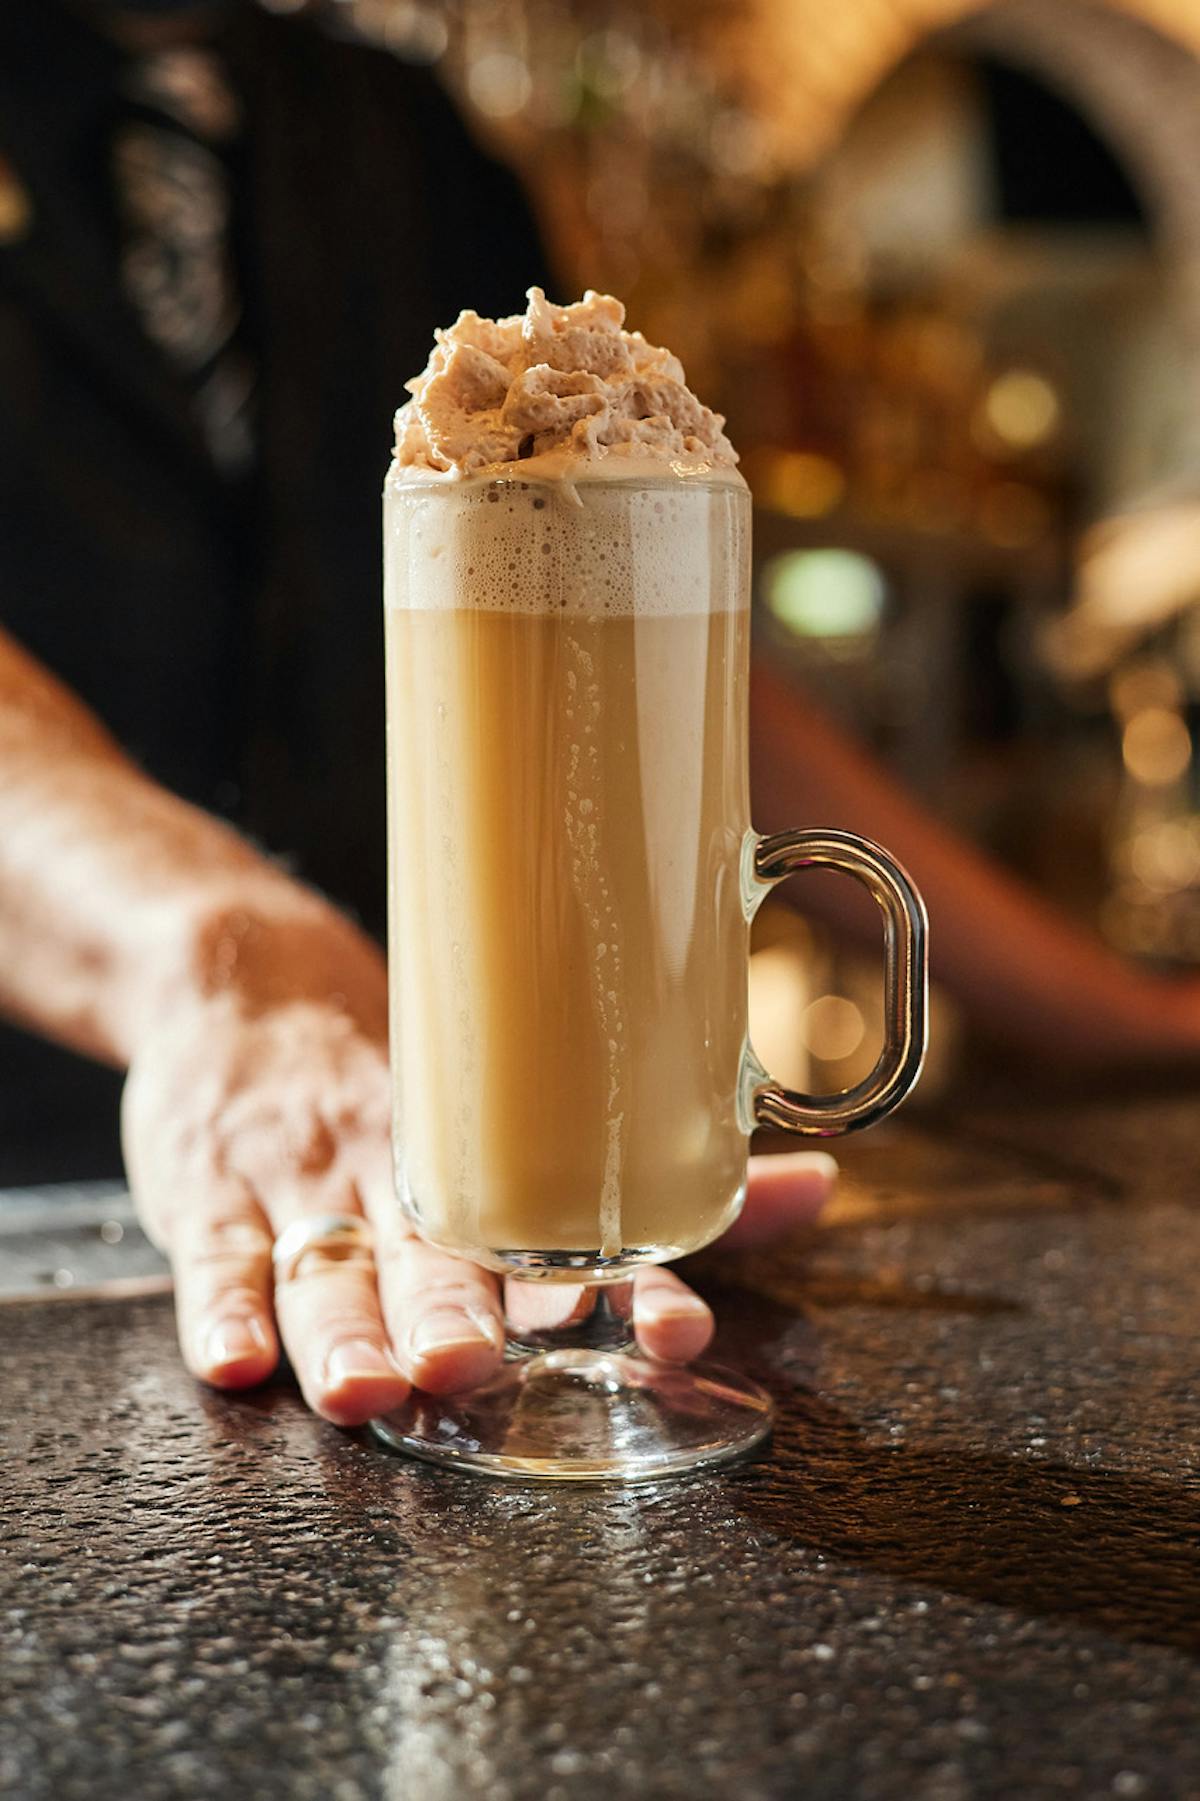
point(968, 1566)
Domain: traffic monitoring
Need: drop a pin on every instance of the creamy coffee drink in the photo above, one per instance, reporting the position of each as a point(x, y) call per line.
point(567, 641)
point(572, 877)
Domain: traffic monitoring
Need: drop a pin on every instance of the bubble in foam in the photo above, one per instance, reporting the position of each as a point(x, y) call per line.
point(598, 550)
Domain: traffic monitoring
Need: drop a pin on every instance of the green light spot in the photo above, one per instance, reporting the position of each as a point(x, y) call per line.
point(825, 593)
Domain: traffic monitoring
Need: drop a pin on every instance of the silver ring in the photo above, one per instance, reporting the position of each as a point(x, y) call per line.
point(331, 1237)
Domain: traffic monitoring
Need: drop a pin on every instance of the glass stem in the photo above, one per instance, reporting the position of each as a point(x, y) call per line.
point(598, 1317)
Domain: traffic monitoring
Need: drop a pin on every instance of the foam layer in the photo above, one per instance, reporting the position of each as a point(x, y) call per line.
point(562, 388)
point(599, 550)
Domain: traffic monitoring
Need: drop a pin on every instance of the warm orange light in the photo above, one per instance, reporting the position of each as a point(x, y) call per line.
point(1156, 746)
point(832, 1027)
point(1166, 857)
point(779, 991)
point(801, 484)
point(809, 65)
point(1020, 410)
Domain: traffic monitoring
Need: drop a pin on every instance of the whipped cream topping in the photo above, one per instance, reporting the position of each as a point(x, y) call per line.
point(556, 390)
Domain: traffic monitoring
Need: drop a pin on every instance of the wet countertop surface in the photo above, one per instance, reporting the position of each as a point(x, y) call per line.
point(969, 1564)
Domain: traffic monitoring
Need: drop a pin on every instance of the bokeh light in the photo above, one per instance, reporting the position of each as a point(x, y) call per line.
point(832, 1027)
point(1156, 746)
point(799, 483)
point(1166, 857)
point(825, 593)
point(500, 84)
point(1021, 409)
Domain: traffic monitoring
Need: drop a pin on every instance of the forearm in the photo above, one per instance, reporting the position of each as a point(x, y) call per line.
point(115, 896)
point(1021, 969)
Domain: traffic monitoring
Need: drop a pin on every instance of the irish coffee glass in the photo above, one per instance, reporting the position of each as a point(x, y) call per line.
point(572, 880)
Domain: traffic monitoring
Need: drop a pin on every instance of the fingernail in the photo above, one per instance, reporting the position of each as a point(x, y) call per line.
point(452, 1326)
point(357, 1357)
point(233, 1341)
point(656, 1310)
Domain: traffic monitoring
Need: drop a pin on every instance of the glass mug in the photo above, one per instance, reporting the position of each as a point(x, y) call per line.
point(572, 881)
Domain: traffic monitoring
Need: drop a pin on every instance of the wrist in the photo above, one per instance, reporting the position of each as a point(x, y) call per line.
point(261, 945)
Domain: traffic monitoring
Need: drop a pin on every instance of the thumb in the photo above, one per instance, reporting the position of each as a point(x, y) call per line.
point(782, 1192)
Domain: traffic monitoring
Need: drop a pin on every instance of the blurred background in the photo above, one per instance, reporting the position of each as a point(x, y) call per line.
point(938, 263)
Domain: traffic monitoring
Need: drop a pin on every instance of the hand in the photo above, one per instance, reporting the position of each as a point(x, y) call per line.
point(262, 1098)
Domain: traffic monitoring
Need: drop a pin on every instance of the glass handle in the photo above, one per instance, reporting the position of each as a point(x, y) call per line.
point(906, 982)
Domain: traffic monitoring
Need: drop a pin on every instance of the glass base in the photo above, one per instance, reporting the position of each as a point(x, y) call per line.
point(585, 1415)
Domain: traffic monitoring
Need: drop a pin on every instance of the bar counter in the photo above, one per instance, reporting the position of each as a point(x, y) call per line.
point(968, 1565)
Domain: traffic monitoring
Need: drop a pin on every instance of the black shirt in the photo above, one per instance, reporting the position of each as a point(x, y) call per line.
point(228, 633)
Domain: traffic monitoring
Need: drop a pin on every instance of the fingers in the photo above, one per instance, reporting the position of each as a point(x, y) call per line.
point(443, 1314)
point(545, 1306)
point(358, 1336)
point(332, 1326)
point(220, 1251)
point(328, 1312)
point(783, 1192)
point(673, 1324)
